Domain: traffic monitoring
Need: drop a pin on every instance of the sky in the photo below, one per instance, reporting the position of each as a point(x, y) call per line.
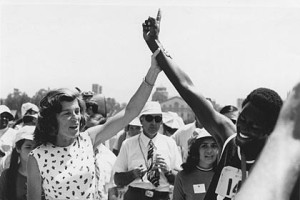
point(228, 48)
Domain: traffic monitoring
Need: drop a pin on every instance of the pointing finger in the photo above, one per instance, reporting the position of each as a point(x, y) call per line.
point(158, 17)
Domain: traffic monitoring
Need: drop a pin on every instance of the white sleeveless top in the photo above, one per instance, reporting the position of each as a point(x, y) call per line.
point(68, 172)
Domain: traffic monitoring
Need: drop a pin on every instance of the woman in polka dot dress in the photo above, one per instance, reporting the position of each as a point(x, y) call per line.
point(63, 164)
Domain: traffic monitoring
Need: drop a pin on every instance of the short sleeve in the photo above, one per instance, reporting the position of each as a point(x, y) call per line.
point(121, 164)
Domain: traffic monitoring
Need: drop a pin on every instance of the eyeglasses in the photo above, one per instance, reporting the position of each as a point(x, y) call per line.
point(149, 118)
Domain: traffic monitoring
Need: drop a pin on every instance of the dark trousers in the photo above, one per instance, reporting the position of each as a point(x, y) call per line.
point(134, 193)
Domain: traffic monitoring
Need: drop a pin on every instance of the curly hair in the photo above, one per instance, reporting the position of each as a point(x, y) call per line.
point(266, 100)
point(47, 125)
point(193, 157)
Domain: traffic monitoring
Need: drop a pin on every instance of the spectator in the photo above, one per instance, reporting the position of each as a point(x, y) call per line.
point(133, 128)
point(231, 112)
point(105, 159)
point(63, 163)
point(193, 181)
point(93, 117)
point(171, 123)
point(241, 146)
point(13, 180)
point(185, 133)
point(7, 134)
point(29, 114)
point(148, 162)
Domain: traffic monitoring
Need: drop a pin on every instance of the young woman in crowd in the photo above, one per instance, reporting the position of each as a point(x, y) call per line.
point(13, 180)
point(192, 182)
point(62, 165)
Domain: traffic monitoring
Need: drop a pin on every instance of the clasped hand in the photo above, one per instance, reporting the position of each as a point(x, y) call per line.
point(160, 163)
point(139, 171)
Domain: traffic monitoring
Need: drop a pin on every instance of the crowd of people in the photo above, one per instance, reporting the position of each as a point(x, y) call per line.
point(57, 149)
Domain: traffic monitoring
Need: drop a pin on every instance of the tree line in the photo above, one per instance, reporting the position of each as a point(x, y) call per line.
point(15, 100)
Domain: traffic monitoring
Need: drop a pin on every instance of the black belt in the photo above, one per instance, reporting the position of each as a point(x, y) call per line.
point(148, 193)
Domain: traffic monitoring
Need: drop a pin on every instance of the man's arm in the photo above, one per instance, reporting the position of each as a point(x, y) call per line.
point(215, 123)
point(124, 178)
point(277, 169)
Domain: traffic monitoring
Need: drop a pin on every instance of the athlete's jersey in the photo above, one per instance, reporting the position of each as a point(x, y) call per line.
point(227, 179)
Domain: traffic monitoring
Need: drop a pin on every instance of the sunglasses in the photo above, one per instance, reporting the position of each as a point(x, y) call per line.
point(132, 127)
point(149, 118)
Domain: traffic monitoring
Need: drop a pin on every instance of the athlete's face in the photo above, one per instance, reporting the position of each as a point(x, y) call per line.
point(208, 151)
point(252, 130)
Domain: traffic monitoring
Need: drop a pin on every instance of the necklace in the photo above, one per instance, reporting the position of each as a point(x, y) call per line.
point(203, 169)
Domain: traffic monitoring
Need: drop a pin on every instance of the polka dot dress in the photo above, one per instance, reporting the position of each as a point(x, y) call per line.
point(67, 172)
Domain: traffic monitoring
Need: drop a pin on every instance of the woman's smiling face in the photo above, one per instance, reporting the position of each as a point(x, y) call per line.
point(208, 151)
point(68, 120)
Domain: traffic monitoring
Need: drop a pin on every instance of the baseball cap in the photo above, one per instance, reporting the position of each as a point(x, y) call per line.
point(151, 107)
point(201, 133)
point(198, 134)
point(26, 132)
point(5, 109)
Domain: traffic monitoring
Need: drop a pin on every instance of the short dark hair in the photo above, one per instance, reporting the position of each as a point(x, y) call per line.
point(228, 108)
point(266, 100)
point(47, 126)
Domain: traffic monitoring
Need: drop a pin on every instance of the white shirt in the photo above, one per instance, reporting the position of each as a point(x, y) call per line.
point(133, 154)
point(7, 139)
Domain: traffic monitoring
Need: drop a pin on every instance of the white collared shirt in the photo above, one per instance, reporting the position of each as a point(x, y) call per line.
point(133, 154)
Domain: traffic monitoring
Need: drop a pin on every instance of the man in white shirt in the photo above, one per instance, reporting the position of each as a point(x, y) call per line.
point(148, 162)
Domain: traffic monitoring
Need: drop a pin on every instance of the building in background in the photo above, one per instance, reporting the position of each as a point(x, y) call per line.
point(96, 88)
point(178, 105)
point(239, 102)
point(161, 94)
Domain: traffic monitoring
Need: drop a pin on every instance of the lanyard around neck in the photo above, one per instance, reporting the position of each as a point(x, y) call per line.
point(144, 157)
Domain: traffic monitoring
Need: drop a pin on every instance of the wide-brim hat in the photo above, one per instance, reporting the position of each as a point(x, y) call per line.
point(172, 120)
point(151, 108)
